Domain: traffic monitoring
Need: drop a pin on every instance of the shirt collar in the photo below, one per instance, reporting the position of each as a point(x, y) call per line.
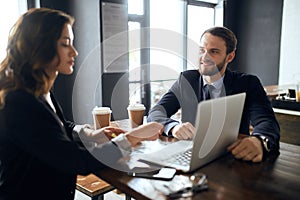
point(217, 84)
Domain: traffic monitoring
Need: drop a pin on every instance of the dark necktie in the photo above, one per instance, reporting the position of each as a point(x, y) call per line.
point(207, 91)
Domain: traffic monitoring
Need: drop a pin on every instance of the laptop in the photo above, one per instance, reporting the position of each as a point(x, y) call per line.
point(217, 125)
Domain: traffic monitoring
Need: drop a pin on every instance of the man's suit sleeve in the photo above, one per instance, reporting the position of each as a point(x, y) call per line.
point(167, 106)
point(261, 114)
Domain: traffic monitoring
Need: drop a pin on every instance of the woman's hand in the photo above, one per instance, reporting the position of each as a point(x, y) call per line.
point(150, 131)
point(103, 135)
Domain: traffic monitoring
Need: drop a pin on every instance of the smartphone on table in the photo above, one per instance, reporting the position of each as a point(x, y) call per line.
point(164, 173)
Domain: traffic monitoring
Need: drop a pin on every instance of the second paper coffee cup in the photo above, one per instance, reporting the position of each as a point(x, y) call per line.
point(136, 114)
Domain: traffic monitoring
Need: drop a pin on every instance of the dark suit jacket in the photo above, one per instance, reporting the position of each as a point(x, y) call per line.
point(38, 157)
point(186, 92)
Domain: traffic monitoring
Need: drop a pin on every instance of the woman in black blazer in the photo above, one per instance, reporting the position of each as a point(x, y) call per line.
point(39, 154)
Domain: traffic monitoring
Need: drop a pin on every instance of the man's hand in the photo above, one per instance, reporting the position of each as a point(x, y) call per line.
point(248, 149)
point(184, 131)
point(150, 131)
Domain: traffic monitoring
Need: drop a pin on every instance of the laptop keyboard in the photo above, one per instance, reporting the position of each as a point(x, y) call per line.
point(183, 158)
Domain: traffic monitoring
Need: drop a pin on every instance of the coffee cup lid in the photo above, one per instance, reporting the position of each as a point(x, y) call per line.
point(101, 110)
point(138, 106)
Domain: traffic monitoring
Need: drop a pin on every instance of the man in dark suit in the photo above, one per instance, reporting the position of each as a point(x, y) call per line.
point(217, 49)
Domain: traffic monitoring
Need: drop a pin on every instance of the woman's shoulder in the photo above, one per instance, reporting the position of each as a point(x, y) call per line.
point(20, 97)
point(19, 94)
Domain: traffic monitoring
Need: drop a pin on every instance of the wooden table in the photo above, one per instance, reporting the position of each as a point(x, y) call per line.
point(278, 177)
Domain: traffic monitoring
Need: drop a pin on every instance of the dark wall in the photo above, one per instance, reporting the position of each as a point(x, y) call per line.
point(257, 25)
point(75, 94)
point(115, 87)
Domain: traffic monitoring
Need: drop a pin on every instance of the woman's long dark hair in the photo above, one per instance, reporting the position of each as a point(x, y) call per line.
point(32, 45)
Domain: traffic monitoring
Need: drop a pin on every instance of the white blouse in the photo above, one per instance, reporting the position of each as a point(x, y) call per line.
point(49, 101)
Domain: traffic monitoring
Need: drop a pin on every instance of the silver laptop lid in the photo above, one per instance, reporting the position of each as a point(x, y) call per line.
point(217, 125)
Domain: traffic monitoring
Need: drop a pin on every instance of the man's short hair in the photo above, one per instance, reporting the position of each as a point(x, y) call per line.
point(226, 34)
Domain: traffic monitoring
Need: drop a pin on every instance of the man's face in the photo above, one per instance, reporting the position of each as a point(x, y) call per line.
point(212, 55)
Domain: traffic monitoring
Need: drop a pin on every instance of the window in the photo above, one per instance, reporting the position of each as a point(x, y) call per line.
point(199, 19)
point(289, 71)
point(135, 7)
point(134, 62)
point(13, 9)
point(168, 33)
point(136, 22)
point(167, 19)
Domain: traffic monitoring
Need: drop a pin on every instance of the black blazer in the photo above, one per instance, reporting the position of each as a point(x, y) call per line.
point(186, 92)
point(39, 158)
